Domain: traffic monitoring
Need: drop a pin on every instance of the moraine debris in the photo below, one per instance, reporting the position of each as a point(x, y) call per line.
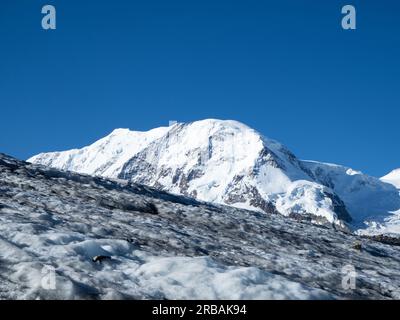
point(100, 259)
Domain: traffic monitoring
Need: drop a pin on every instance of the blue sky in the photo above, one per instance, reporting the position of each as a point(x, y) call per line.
point(284, 67)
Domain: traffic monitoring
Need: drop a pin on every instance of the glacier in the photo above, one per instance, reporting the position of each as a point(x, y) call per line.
point(166, 246)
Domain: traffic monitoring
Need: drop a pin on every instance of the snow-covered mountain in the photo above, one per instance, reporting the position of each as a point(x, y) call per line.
point(373, 204)
point(227, 162)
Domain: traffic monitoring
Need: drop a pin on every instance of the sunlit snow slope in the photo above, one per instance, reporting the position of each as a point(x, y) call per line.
point(393, 178)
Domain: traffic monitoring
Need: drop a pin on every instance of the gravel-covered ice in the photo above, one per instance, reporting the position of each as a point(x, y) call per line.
point(163, 246)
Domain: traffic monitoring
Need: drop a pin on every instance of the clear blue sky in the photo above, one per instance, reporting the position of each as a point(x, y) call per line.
point(283, 67)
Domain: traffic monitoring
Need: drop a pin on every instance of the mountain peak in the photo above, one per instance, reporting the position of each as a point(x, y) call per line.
point(227, 162)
